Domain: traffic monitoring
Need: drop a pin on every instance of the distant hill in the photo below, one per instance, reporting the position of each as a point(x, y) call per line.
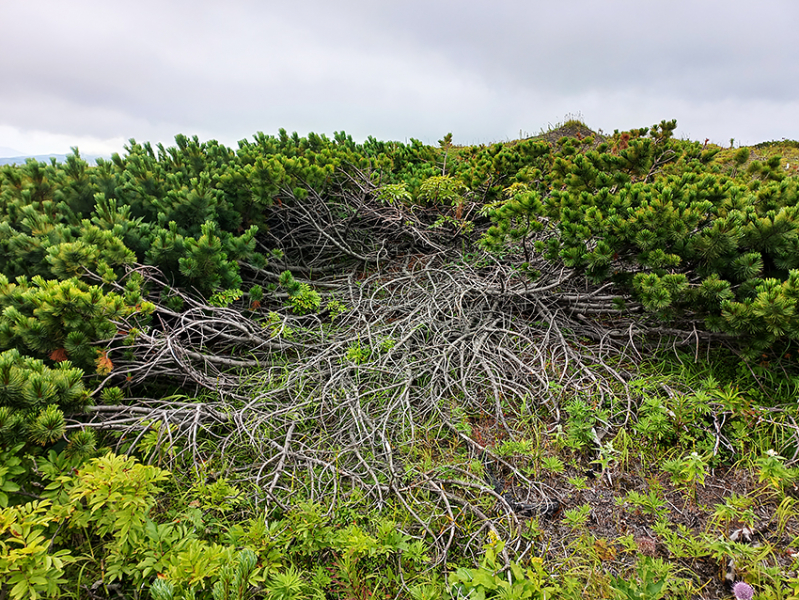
point(6, 151)
point(572, 128)
point(20, 160)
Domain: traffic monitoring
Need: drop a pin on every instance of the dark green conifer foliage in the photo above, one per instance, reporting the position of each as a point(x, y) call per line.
point(76, 190)
point(646, 213)
point(42, 317)
point(205, 264)
point(34, 398)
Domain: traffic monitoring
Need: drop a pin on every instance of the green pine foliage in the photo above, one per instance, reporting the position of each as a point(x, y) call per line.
point(649, 213)
point(34, 398)
point(42, 317)
point(63, 221)
point(302, 299)
point(49, 331)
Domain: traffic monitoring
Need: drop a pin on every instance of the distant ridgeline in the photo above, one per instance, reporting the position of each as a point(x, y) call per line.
point(46, 158)
point(694, 233)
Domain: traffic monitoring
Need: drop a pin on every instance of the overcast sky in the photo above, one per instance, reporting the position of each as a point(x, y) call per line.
point(96, 73)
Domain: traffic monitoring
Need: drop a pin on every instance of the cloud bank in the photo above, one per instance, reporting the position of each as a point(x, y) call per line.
point(94, 74)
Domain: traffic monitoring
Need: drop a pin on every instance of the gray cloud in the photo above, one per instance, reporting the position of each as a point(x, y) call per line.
point(108, 70)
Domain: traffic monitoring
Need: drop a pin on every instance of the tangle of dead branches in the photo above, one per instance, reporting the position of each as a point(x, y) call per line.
point(403, 392)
